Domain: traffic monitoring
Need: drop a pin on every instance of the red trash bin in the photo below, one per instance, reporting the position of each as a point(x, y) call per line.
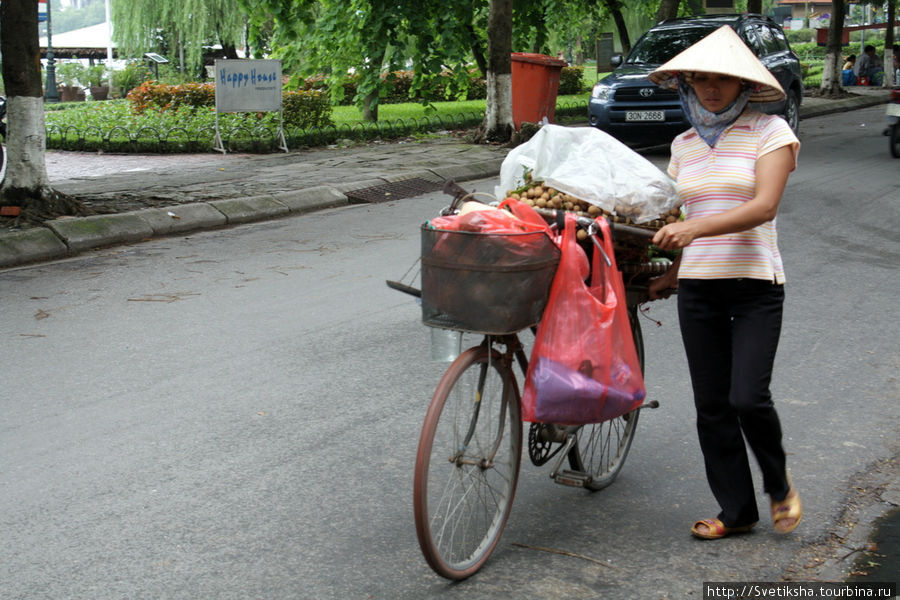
point(535, 82)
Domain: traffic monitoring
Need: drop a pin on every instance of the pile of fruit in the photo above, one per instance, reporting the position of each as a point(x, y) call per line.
point(536, 194)
point(631, 253)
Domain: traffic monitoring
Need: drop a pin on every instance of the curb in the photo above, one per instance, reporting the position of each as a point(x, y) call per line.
point(69, 236)
point(842, 105)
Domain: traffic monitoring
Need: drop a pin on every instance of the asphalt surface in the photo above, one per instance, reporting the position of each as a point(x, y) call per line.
point(163, 195)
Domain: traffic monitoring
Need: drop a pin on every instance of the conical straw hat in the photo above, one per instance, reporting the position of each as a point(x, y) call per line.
point(723, 52)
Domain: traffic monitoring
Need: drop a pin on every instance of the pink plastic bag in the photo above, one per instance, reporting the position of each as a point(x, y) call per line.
point(584, 366)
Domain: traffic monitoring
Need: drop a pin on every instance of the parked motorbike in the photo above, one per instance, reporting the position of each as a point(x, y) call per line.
point(893, 116)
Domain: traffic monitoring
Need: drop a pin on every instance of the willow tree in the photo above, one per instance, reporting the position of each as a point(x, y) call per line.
point(178, 29)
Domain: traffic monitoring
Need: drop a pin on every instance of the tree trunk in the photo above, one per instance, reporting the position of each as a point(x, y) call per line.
point(831, 72)
point(889, 72)
point(755, 6)
point(668, 9)
point(695, 7)
point(477, 50)
point(498, 122)
point(370, 107)
point(616, 10)
point(26, 183)
point(230, 50)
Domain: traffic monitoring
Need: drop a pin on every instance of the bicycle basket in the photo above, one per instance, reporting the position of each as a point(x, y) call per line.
point(486, 283)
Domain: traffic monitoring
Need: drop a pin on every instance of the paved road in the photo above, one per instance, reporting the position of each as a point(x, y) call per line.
point(234, 414)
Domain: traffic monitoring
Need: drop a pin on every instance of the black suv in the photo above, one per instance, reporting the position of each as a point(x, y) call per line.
point(636, 111)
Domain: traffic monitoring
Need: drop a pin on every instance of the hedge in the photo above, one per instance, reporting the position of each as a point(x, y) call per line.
point(111, 127)
point(301, 109)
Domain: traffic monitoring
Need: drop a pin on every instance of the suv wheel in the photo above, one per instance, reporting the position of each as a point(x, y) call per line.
point(792, 111)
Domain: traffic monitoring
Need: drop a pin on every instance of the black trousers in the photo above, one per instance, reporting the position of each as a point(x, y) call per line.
point(730, 329)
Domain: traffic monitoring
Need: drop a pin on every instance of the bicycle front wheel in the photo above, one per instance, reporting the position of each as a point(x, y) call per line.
point(467, 464)
point(601, 448)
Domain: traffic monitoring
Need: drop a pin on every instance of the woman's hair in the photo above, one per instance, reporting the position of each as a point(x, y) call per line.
point(852, 57)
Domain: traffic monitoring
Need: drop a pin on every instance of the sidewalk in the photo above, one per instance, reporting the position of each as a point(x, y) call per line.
point(158, 195)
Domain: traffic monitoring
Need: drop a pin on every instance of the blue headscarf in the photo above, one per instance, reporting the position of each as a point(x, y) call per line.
point(710, 125)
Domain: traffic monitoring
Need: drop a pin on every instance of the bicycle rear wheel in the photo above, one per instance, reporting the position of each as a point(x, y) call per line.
point(601, 448)
point(467, 464)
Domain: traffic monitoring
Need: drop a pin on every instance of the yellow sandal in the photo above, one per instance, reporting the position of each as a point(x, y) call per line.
point(791, 508)
point(715, 529)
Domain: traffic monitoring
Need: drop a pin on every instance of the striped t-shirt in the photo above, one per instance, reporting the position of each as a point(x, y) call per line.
point(713, 180)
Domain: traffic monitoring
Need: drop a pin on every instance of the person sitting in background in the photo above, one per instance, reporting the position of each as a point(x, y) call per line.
point(869, 69)
point(848, 77)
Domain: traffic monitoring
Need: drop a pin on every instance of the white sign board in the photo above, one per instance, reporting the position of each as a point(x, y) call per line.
point(248, 85)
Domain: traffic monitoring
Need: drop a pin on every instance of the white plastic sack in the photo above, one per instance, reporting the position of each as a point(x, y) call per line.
point(593, 166)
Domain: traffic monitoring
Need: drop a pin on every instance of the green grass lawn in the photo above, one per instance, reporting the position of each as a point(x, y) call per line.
point(347, 115)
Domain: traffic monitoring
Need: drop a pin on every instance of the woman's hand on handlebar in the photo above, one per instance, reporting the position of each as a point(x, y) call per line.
point(664, 285)
point(661, 288)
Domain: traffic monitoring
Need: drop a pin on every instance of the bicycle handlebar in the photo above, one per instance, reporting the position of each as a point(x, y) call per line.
point(451, 188)
point(587, 222)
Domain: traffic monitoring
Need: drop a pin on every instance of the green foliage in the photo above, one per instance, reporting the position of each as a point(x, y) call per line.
point(809, 51)
point(371, 39)
point(112, 126)
point(94, 74)
point(162, 97)
point(812, 74)
point(71, 73)
point(571, 80)
point(301, 109)
point(306, 109)
point(134, 74)
point(800, 36)
point(398, 87)
point(171, 27)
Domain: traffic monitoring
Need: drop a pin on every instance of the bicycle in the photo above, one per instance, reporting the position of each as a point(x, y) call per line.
point(469, 452)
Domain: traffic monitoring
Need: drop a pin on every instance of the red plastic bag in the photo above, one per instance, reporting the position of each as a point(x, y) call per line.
point(518, 218)
point(584, 367)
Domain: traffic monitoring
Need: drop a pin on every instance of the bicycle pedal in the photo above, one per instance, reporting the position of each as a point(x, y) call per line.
point(572, 478)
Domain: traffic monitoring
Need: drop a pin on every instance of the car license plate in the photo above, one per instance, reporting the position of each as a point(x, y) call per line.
point(645, 115)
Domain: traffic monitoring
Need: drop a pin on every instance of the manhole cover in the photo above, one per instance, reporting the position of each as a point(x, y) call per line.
point(406, 188)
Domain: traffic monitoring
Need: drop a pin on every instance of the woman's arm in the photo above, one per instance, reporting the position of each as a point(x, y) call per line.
point(772, 172)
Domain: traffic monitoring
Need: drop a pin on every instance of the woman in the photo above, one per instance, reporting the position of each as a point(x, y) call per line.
point(848, 77)
point(731, 168)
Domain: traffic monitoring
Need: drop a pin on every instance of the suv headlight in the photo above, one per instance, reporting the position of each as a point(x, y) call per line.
point(601, 92)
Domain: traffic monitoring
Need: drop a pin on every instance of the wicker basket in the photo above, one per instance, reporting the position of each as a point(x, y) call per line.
point(486, 283)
